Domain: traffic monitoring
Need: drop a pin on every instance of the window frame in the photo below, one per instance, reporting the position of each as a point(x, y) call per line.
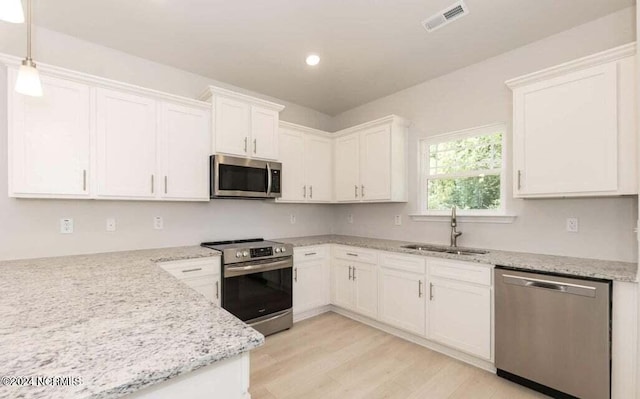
point(424, 172)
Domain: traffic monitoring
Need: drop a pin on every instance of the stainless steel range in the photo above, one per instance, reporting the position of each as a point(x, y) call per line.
point(257, 282)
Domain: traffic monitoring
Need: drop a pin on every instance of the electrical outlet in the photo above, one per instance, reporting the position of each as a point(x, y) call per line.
point(158, 223)
point(66, 226)
point(292, 219)
point(111, 224)
point(398, 220)
point(572, 225)
point(350, 218)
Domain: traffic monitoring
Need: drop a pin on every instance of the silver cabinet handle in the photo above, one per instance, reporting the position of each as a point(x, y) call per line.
point(152, 183)
point(431, 291)
point(295, 274)
point(191, 270)
point(311, 192)
point(255, 145)
point(352, 254)
point(356, 190)
point(84, 180)
point(310, 253)
point(245, 143)
point(165, 184)
point(362, 191)
point(354, 274)
point(304, 191)
point(349, 272)
point(419, 288)
point(217, 290)
point(519, 179)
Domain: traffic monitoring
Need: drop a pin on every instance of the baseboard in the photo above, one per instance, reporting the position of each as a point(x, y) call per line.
point(311, 313)
point(463, 357)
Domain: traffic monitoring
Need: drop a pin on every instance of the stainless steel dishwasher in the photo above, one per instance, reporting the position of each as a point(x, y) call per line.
point(553, 333)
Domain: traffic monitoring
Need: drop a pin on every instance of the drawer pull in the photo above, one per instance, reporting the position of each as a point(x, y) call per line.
point(351, 254)
point(310, 253)
point(192, 270)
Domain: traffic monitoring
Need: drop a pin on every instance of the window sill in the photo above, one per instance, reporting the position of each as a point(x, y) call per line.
point(499, 219)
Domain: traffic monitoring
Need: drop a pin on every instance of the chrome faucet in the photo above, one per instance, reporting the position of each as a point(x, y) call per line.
point(454, 234)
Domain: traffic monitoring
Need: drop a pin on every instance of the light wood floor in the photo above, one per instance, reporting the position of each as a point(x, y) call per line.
point(331, 356)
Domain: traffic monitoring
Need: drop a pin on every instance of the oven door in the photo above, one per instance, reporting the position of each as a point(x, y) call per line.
point(244, 178)
point(255, 289)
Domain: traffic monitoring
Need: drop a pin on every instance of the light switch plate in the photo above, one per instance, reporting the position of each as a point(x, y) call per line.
point(66, 226)
point(350, 218)
point(398, 220)
point(111, 224)
point(292, 219)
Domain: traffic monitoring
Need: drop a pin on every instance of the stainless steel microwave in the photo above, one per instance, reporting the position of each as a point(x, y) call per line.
point(233, 177)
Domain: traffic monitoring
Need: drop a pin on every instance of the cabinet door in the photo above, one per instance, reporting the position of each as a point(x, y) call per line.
point(310, 285)
point(365, 278)
point(319, 168)
point(347, 168)
point(293, 160)
point(402, 300)
point(460, 316)
point(342, 287)
point(264, 133)
point(185, 144)
point(375, 164)
point(566, 134)
point(205, 285)
point(49, 140)
point(126, 145)
point(232, 126)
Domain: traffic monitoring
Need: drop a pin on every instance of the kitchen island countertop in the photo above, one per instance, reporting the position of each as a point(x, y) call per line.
point(115, 320)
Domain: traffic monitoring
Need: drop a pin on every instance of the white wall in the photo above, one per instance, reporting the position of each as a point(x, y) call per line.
point(29, 228)
point(476, 96)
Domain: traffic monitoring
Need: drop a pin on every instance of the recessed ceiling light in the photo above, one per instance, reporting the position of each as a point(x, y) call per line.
point(313, 60)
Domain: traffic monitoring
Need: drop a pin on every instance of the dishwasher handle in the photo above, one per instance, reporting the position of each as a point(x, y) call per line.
point(557, 286)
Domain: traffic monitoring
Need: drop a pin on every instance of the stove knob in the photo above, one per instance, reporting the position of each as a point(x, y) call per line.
point(245, 254)
point(277, 250)
point(238, 254)
point(283, 249)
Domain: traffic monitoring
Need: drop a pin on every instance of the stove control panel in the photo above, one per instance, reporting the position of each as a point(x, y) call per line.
point(261, 252)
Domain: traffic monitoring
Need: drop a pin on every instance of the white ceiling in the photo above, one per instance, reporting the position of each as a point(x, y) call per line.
point(369, 48)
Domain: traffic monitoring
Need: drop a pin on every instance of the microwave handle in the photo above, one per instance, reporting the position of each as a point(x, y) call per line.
point(268, 179)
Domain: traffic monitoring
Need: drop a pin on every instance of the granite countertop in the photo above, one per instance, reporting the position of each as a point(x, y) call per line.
point(604, 269)
point(116, 320)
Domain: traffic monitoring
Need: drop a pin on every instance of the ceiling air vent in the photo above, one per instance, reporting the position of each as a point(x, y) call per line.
point(448, 15)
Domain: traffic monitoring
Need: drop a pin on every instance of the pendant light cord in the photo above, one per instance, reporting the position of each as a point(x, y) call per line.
point(29, 19)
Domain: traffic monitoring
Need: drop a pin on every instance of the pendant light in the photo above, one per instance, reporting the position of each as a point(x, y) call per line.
point(28, 82)
point(11, 11)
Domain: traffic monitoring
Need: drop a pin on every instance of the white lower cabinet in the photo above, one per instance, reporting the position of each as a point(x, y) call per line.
point(202, 275)
point(460, 306)
point(310, 279)
point(354, 287)
point(401, 300)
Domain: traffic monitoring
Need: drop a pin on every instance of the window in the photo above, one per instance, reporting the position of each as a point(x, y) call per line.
point(463, 169)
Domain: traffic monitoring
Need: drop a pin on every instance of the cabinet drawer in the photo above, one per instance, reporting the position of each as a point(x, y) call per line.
point(413, 264)
point(303, 254)
point(192, 268)
point(460, 271)
point(356, 254)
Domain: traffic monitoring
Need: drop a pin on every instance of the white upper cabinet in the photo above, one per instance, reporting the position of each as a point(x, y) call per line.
point(185, 140)
point(244, 126)
point(89, 137)
point(126, 161)
point(306, 156)
point(371, 162)
point(50, 140)
point(574, 129)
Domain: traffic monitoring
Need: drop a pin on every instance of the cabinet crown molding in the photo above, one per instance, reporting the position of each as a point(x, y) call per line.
point(304, 129)
point(13, 62)
point(395, 119)
point(603, 57)
point(219, 91)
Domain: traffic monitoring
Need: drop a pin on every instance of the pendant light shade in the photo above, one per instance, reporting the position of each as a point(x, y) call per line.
point(11, 11)
point(28, 82)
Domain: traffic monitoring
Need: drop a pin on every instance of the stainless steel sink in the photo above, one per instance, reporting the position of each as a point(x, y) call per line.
point(449, 250)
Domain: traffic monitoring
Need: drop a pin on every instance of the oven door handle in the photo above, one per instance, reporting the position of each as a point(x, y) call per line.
point(233, 271)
